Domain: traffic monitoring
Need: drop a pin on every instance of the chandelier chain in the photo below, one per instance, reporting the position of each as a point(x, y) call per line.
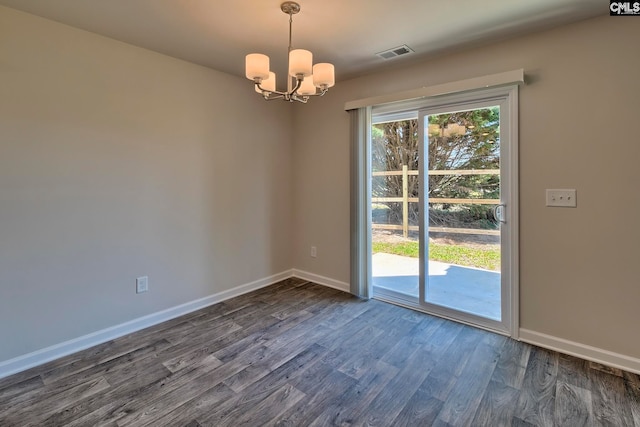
point(290, 31)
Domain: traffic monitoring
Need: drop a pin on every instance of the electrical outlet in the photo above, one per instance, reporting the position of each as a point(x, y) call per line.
point(314, 252)
point(142, 284)
point(565, 198)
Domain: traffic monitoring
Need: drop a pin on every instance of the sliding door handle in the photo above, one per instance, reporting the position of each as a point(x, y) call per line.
point(499, 214)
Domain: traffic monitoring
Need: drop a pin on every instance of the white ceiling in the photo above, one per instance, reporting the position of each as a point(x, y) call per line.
point(347, 33)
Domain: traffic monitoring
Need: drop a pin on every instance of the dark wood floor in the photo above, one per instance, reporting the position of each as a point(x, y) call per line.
point(300, 354)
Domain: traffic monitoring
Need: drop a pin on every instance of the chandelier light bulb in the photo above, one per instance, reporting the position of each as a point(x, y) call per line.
point(307, 87)
point(268, 85)
point(300, 63)
point(324, 75)
point(257, 66)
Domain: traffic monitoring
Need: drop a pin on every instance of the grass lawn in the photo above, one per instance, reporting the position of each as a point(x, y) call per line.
point(488, 259)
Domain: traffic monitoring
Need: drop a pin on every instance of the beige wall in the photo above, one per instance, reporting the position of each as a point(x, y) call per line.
point(578, 114)
point(117, 162)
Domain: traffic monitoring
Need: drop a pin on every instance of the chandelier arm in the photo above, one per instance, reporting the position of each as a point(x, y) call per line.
point(283, 94)
point(321, 93)
point(271, 98)
point(298, 84)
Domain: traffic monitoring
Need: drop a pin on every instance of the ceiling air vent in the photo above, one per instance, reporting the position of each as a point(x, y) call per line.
point(395, 52)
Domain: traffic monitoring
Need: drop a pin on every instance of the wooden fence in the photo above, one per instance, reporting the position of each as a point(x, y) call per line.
point(405, 200)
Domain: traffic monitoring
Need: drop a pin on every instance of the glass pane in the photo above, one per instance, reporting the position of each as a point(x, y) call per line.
point(394, 197)
point(464, 192)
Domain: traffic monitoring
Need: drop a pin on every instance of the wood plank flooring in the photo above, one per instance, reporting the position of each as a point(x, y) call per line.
point(300, 354)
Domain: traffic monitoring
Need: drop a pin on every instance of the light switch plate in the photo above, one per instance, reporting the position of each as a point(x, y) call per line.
point(565, 198)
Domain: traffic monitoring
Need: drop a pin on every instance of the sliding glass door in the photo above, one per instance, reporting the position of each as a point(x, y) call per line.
point(441, 203)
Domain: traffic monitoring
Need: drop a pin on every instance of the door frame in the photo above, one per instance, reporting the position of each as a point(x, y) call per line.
point(507, 98)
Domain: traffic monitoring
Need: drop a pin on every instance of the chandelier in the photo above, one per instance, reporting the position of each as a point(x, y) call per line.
point(304, 79)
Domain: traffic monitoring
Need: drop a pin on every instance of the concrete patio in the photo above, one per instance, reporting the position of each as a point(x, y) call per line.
point(471, 290)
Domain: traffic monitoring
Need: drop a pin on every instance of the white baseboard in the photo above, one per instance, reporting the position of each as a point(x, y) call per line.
point(321, 280)
point(582, 351)
point(39, 357)
point(56, 351)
